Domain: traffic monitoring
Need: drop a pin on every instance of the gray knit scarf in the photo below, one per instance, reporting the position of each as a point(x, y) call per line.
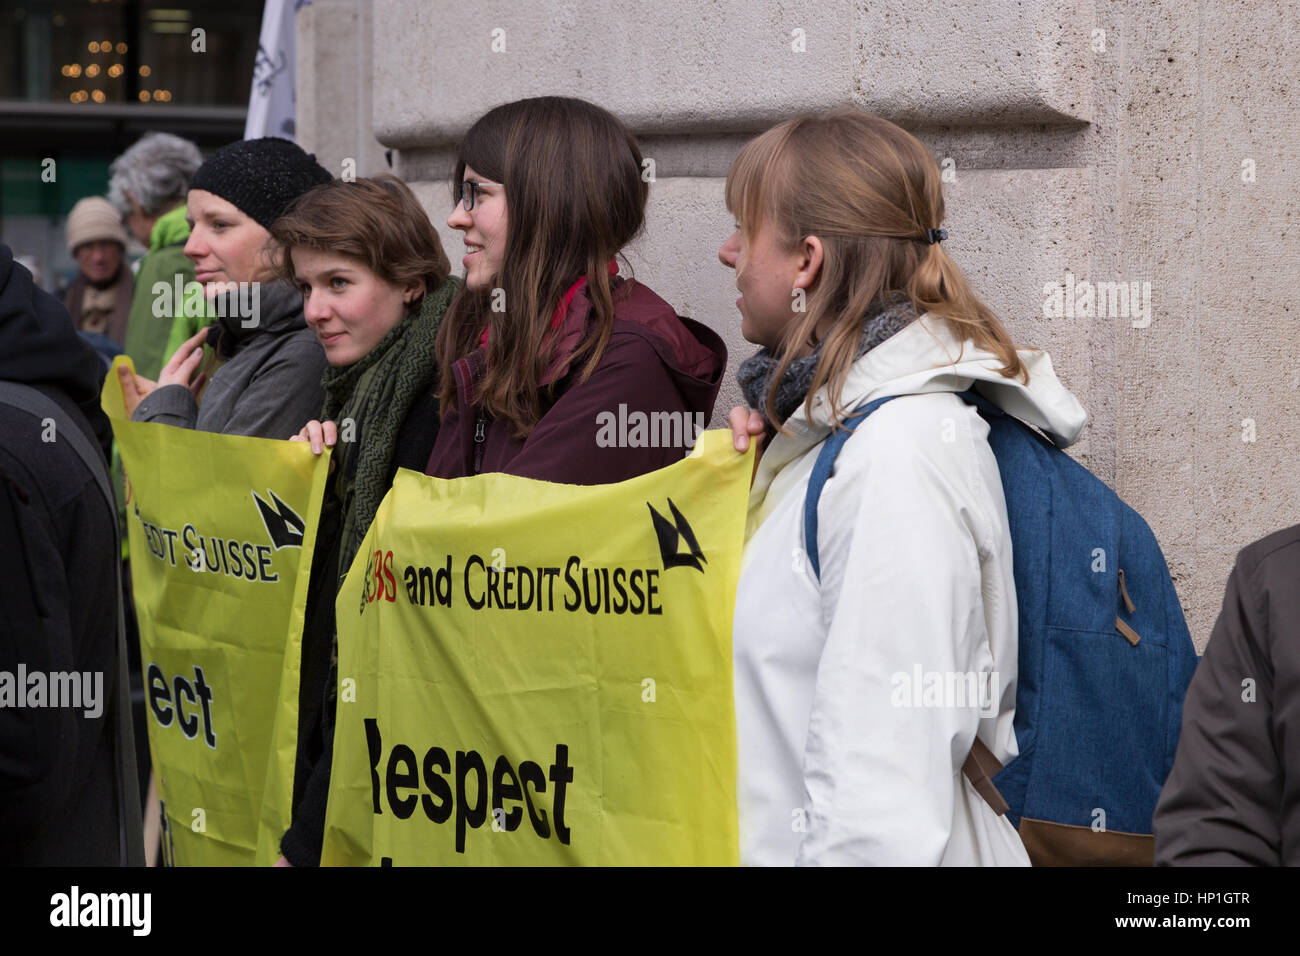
point(755, 373)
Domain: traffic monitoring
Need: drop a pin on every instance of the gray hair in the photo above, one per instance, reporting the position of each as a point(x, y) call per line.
point(156, 170)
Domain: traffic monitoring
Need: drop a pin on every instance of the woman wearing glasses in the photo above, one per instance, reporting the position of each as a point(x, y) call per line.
point(546, 335)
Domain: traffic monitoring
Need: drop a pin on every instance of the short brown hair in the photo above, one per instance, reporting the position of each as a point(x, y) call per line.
point(377, 222)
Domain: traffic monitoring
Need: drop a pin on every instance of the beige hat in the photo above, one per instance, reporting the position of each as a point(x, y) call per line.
point(93, 218)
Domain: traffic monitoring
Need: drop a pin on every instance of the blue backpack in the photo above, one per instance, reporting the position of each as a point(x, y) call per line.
point(1105, 656)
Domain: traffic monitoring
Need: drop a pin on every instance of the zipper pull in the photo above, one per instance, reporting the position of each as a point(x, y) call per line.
point(1130, 635)
point(1128, 601)
point(480, 438)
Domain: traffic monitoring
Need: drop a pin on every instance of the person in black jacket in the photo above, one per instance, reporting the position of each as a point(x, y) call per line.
point(61, 790)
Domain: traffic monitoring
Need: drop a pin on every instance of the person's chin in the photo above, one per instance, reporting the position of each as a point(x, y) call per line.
point(341, 354)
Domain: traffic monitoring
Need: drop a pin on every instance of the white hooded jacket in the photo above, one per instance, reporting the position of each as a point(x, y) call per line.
point(854, 701)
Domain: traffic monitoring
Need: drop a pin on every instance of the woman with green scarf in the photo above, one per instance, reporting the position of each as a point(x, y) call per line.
point(375, 284)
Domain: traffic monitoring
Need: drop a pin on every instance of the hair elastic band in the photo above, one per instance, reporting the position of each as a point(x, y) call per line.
point(935, 235)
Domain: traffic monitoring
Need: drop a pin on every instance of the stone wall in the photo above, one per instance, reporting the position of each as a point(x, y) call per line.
point(1138, 142)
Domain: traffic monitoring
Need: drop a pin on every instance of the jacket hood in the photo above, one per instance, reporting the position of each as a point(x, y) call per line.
point(693, 354)
point(279, 311)
point(39, 346)
point(928, 356)
point(697, 361)
point(169, 229)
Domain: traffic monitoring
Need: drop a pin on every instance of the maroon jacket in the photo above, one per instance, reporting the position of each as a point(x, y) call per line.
point(655, 362)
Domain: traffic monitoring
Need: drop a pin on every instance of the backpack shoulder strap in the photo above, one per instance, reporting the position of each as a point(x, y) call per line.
point(37, 403)
point(980, 765)
point(982, 404)
point(822, 470)
point(831, 448)
point(130, 826)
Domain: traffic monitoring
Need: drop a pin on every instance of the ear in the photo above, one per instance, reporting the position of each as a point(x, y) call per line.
point(809, 258)
point(411, 291)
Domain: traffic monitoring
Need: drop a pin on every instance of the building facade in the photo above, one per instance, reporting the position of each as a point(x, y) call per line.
point(1121, 183)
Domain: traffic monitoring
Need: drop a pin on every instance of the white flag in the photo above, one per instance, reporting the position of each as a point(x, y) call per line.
point(271, 100)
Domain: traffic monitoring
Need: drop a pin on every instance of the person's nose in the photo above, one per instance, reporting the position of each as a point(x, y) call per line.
point(730, 250)
point(459, 218)
point(314, 308)
point(195, 248)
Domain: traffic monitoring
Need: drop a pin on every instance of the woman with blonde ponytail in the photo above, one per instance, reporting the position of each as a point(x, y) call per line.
point(864, 680)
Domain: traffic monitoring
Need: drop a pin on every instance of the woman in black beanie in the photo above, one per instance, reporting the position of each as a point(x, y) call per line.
point(269, 382)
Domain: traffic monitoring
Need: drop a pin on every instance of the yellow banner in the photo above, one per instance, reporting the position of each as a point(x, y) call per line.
point(222, 529)
point(536, 674)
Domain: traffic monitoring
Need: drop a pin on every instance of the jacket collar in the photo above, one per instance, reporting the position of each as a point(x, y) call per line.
point(928, 356)
point(169, 229)
point(568, 334)
point(279, 310)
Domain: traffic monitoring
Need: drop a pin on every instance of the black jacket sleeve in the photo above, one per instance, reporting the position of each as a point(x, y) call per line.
point(36, 744)
point(301, 843)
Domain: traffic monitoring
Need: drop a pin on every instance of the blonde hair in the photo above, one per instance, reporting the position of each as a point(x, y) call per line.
point(870, 191)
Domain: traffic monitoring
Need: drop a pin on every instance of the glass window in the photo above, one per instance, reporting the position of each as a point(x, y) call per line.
point(175, 52)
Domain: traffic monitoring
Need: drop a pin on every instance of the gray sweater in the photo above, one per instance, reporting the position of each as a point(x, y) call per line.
point(269, 388)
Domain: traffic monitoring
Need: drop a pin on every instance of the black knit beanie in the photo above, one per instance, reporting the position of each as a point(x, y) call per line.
point(261, 177)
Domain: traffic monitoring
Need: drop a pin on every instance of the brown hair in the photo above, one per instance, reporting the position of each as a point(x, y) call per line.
point(869, 191)
point(377, 222)
point(571, 173)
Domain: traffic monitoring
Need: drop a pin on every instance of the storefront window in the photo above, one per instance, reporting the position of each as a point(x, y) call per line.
point(99, 52)
point(81, 80)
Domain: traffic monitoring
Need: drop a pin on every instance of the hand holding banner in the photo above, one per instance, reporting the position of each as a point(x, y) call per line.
point(534, 673)
point(222, 529)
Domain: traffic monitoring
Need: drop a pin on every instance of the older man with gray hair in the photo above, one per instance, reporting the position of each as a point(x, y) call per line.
point(148, 185)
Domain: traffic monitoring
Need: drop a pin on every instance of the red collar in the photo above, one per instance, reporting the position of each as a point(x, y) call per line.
point(566, 300)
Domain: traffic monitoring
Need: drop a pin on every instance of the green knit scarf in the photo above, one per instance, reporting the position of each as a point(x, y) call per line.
point(376, 394)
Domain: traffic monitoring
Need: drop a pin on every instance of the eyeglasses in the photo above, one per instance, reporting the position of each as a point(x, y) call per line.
point(469, 190)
